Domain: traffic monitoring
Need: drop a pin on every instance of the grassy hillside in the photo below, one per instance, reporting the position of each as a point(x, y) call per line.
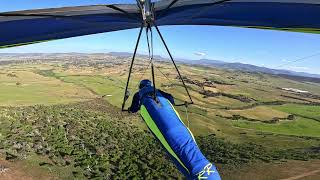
point(23, 87)
point(299, 127)
point(91, 140)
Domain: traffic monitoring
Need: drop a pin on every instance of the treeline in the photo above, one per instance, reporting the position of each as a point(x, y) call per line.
point(221, 151)
point(101, 146)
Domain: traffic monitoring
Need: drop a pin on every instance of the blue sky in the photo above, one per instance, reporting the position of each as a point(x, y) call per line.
point(274, 49)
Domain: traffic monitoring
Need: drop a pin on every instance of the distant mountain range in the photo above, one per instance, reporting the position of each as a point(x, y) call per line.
point(249, 68)
point(232, 66)
point(126, 54)
point(201, 62)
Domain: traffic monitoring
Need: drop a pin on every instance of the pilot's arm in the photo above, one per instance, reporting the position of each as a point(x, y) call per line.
point(167, 96)
point(135, 105)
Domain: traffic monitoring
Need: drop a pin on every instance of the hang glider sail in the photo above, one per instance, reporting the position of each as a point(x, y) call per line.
point(290, 15)
point(32, 26)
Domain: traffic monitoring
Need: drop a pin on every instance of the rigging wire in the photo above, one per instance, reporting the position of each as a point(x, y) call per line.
point(149, 36)
point(187, 115)
point(126, 95)
point(150, 51)
point(71, 18)
point(164, 12)
point(139, 4)
point(114, 7)
point(163, 74)
point(298, 60)
point(144, 72)
point(172, 60)
point(205, 10)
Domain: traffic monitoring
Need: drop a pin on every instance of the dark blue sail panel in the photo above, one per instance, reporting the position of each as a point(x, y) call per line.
point(303, 16)
point(44, 25)
point(31, 30)
point(25, 27)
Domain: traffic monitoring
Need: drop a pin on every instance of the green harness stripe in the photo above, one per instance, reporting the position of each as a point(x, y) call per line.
point(154, 128)
point(183, 122)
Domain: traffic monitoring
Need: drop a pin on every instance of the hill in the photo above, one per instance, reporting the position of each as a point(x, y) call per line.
point(251, 68)
point(60, 115)
point(202, 62)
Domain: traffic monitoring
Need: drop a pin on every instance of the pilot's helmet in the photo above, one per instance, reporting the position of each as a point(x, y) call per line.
point(144, 83)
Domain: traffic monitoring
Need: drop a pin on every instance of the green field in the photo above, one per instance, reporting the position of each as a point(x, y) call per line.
point(312, 112)
point(27, 88)
point(298, 127)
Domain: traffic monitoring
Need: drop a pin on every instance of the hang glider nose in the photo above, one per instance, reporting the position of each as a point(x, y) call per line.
point(32, 26)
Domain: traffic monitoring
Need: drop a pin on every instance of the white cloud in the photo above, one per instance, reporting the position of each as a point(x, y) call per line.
point(200, 54)
point(285, 60)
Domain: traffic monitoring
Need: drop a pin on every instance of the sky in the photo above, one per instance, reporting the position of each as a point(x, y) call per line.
point(268, 48)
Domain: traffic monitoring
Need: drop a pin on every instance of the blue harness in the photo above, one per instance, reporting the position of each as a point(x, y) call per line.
point(166, 125)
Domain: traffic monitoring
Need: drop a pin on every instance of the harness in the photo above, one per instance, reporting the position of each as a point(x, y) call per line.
point(148, 92)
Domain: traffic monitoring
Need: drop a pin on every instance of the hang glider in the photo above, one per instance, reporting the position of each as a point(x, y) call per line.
point(32, 26)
